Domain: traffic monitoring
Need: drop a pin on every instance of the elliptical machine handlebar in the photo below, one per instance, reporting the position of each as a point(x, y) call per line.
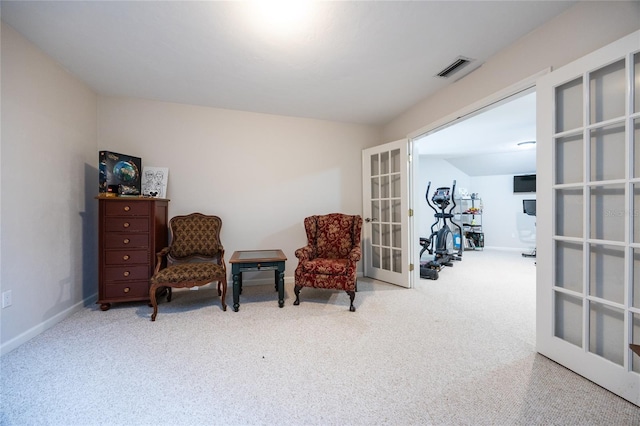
point(426, 196)
point(453, 196)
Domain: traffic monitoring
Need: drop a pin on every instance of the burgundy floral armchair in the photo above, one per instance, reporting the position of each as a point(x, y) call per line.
point(330, 257)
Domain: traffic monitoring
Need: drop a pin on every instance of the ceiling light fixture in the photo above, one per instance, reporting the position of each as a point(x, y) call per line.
point(281, 16)
point(526, 144)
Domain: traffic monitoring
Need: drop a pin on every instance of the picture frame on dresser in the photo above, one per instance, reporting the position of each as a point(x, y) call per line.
point(154, 181)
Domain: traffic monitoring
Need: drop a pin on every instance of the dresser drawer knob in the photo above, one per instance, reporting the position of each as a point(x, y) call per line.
point(126, 224)
point(125, 257)
point(126, 273)
point(127, 208)
point(127, 289)
point(126, 241)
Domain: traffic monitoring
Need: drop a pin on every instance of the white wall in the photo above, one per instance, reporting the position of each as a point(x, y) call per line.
point(582, 29)
point(49, 217)
point(262, 174)
point(503, 223)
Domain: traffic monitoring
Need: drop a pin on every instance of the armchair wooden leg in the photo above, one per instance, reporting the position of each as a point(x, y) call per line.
point(352, 295)
point(223, 294)
point(154, 301)
point(296, 290)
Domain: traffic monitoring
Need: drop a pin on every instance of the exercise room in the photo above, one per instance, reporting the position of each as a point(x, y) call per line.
point(490, 157)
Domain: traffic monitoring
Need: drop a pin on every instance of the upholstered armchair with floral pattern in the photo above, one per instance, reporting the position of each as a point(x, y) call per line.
point(195, 257)
point(330, 257)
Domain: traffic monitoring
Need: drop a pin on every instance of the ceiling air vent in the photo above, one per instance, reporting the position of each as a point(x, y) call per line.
point(459, 63)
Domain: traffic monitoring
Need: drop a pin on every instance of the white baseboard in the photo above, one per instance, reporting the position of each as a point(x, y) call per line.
point(45, 325)
point(523, 249)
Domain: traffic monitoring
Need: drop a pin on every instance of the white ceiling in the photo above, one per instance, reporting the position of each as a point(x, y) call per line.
point(360, 62)
point(486, 143)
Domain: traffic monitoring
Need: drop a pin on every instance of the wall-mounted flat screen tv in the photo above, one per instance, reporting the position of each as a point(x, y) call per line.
point(524, 183)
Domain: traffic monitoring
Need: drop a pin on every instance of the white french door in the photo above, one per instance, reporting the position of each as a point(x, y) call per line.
point(385, 205)
point(588, 202)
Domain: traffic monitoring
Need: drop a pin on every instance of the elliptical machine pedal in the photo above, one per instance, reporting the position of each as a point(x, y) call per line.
point(428, 273)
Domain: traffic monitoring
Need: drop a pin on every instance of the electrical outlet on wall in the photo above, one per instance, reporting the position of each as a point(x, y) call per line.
point(6, 299)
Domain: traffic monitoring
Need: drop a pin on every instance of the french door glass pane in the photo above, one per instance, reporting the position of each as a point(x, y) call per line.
point(384, 163)
point(375, 256)
point(396, 236)
point(375, 209)
point(606, 272)
point(375, 165)
point(607, 212)
point(569, 212)
point(375, 187)
point(636, 212)
point(375, 233)
point(386, 235)
point(607, 92)
point(569, 159)
point(636, 143)
point(395, 211)
point(568, 318)
point(397, 261)
point(569, 106)
point(396, 190)
point(635, 289)
point(386, 258)
point(395, 161)
point(384, 186)
point(636, 72)
point(635, 359)
point(569, 266)
point(384, 211)
point(606, 332)
point(607, 153)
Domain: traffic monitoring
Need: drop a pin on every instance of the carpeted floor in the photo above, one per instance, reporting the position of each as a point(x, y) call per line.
point(456, 351)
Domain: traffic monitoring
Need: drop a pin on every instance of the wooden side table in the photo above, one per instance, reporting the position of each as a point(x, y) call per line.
point(257, 260)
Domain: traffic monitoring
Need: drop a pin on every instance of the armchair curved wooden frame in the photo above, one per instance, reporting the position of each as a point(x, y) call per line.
point(195, 257)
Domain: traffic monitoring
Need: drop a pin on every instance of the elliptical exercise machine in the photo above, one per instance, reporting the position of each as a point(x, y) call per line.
point(440, 243)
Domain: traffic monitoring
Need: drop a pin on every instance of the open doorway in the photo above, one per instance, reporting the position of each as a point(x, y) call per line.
point(482, 152)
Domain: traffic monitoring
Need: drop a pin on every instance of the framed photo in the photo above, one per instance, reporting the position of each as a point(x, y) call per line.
point(154, 181)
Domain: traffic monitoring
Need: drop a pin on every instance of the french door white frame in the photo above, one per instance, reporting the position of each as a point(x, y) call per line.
point(577, 325)
point(387, 226)
point(449, 120)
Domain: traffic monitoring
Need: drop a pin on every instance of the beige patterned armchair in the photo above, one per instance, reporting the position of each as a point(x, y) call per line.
point(330, 257)
point(195, 257)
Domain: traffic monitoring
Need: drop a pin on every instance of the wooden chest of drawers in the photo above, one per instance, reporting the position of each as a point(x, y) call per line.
point(132, 230)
